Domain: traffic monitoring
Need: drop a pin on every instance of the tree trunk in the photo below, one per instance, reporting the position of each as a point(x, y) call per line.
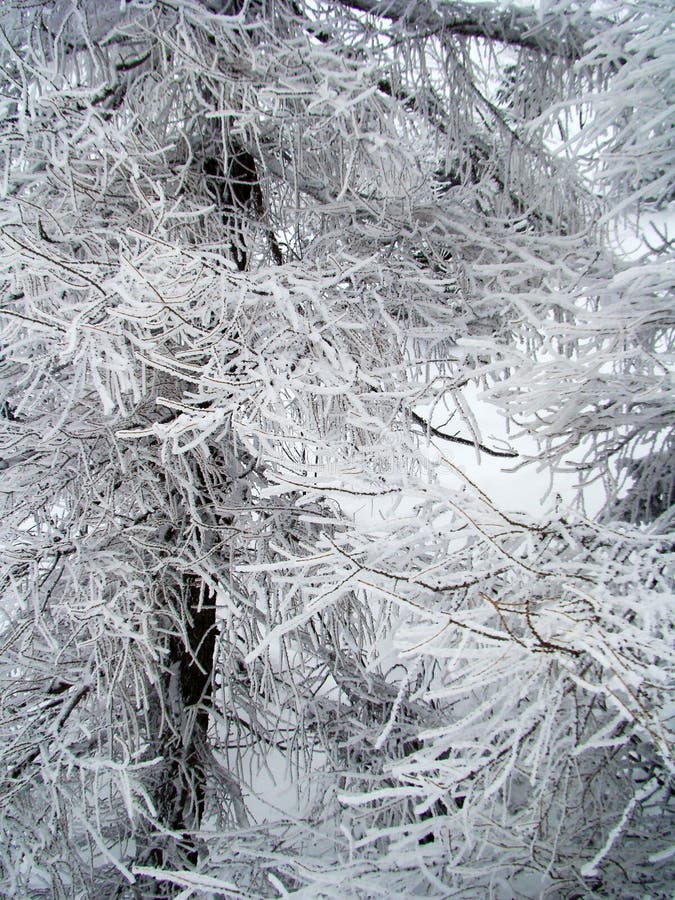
point(182, 719)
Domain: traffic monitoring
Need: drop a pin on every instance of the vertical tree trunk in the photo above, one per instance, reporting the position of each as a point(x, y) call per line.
point(182, 730)
point(191, 671)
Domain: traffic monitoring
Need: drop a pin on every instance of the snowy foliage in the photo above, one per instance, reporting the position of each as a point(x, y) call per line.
point(256, 260)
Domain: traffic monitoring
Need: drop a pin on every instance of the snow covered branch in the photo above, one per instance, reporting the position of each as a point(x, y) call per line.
point(490, 21)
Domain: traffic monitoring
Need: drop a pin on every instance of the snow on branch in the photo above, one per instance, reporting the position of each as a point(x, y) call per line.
point(490, 21)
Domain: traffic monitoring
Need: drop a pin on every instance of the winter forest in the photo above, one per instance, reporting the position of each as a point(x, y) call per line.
point(337, 460)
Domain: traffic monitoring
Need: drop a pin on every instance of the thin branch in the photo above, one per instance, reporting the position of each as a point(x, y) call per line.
point(465, 442)
point(61, 719)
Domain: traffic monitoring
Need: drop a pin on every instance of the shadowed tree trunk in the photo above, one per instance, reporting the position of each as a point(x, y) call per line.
point(182, 737)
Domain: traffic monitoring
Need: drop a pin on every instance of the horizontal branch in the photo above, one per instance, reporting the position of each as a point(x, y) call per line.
point(465, 442)
point(557, 36)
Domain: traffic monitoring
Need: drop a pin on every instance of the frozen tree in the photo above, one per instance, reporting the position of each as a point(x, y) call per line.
point(257, 258)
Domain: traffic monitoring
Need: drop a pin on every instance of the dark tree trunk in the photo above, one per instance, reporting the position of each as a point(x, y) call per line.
point(182, 733)
point(191, 661)
point(235, 187)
